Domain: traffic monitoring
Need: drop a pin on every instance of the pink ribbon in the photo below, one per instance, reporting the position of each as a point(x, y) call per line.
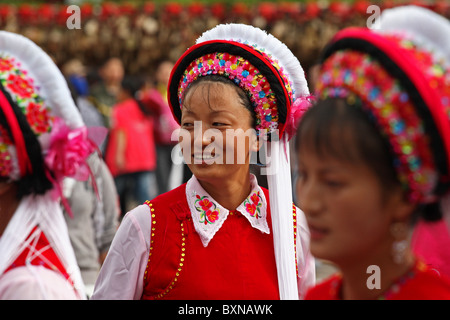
point(299, 107)
point(68, 153)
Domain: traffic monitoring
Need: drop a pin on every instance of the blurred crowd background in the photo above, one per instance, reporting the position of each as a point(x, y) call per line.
point(142, 33)
point(118, 57)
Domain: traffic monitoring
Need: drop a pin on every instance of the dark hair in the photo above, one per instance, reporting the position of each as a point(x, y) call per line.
point(132, 84)
point(37, 181)
point(245, 99)
point(278, 87)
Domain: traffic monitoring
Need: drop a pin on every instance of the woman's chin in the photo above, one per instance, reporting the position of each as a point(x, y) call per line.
point(204, 171)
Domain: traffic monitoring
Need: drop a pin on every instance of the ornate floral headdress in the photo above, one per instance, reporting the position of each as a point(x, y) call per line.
point(255, 61)
point(405, 87)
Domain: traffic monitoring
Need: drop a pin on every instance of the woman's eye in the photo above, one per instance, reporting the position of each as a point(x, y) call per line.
point(187, 124)
point(301, 175)
point(219, 124)
point(334, 183)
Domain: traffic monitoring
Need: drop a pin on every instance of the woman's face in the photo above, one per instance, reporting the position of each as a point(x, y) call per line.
point(218, 136)
point(348, 213)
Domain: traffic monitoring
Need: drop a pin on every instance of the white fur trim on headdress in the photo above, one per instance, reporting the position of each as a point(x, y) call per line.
point(425, 27)
point(48, 78)
point(266, 42)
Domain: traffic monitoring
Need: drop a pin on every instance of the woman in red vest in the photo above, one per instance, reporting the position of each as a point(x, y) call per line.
point(221, 235)
point(374, 157)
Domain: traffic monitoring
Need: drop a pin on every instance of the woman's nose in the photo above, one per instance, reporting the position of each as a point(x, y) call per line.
point(202, 137)
point(309, 197)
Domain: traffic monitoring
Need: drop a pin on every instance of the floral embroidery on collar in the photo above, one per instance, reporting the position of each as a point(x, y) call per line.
point(208, 216)
point(253, 205)
point(209, 213)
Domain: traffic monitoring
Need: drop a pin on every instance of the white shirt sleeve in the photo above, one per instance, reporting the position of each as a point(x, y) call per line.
point(122, 274)
point(305, 260)
point(35, 283)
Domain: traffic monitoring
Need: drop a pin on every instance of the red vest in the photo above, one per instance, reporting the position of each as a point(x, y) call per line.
point(420, 283)
point(238, 263)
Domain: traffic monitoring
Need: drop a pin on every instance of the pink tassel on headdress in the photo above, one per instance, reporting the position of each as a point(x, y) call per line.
point(299, 107)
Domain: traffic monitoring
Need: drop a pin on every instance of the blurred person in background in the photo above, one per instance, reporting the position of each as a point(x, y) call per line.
point(131, 154)
point(76, 76)
point(374, 157)
point(104, 94)
point(94, 204)
point(95, 218)
point(156, 100)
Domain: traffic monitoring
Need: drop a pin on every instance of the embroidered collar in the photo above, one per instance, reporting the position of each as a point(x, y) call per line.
point(208, 215)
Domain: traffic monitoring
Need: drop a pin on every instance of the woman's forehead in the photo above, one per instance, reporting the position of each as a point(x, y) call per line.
point(211, 96)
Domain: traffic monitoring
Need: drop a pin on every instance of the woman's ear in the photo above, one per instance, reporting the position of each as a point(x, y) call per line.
point(401, 207)
point(5, 187)
point(255, 143)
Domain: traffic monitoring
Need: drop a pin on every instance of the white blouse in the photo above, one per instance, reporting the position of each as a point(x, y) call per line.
point(122, 273)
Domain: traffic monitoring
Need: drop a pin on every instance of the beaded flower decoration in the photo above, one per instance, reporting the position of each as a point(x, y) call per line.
point(435, 69)
point(354, 75)
point(6, 161)
point(23, 91)
point(247, 77)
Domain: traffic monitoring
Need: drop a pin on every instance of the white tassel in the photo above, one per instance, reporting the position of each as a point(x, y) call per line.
point(279, 181)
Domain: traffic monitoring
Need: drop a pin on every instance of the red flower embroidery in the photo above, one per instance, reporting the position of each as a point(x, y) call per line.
point(211, 216)
point(5, 159)
point(19, 85)
point(5, 65)
point(37, 117)
point(205, 204)
point(251, 208)
point(255, 198)
point(208, 210)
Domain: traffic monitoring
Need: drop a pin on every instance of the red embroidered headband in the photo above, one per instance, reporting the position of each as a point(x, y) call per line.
point(406, 91)
point(271, 88)
point(8, 167)
point(20, 86)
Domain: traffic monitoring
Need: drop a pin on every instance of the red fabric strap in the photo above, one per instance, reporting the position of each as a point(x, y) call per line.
point(19, 142)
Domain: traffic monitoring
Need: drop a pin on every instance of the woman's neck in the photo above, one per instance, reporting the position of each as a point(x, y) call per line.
point(8, 204)
point(371, 278)
point(230, 193)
